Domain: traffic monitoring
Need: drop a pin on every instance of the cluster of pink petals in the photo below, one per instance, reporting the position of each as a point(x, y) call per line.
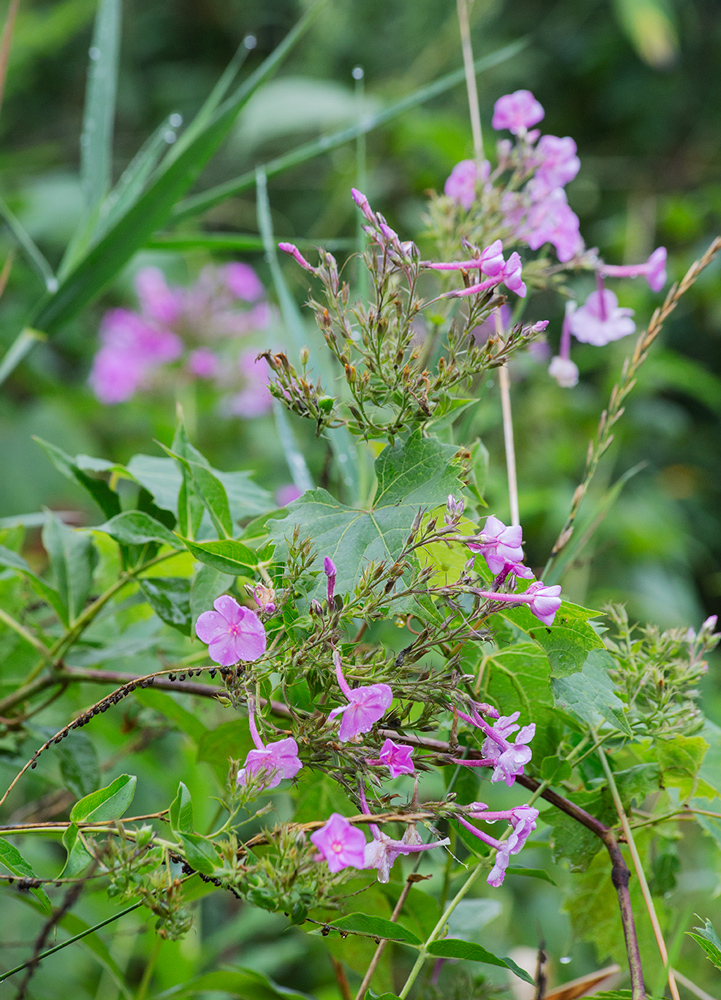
point(523, 822)
point(268, 765)
point(464, 179)
point(654, 270)
point(600, 319)
point(550, 219)
point(366, 705)
point(542, 601)
point(492, 263)
point(382, 851)
point(517, 112)
point(396, 757)
point(557, 161)
point(340, 844)
point(233, 633)
point(506, 758)
point(186, 325)
point(501, 547)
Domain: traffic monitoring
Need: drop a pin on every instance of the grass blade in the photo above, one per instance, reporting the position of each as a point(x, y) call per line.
point(25, 241)
point(96, 141)
point(234, 241)
point(221, 192)
point(17, 351)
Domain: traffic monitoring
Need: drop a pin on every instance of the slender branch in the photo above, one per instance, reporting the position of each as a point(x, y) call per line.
point(382, 944)
point(471, 85)
point(640, 874)
point(25, 634)
point(604, 436)
point(504, 383)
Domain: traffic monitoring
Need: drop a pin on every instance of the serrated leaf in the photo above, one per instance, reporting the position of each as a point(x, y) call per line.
point(456, 948)
point(169, 597)
point(181, 811)
point(708, 939)
point(377, 927)
point(105, 803)
point(13, 860)
point(225, 555)
point(567, 642)
point(413, 475)
point(590, 695)
point(135, 527)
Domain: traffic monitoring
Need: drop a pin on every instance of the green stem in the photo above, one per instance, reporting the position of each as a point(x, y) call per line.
point(24, 634)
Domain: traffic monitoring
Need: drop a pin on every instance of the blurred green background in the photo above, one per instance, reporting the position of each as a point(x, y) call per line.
point(634, 82)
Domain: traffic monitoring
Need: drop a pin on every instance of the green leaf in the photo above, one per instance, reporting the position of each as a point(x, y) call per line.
point(199, 853)
point(229, 740)
point(15, 561)
point(308, 151)
point(590, 695)
point(377, 927)
point(22, 344)
point(410, 476)
point(567, 642)
point(43, 270)
point(79, 764)
point(680, 760)
point(225, 555)
point(707, 937)
point(574, 842)
point(181, 811)
point(246, 984)
point(169, 708)
point(106, 499)
point(105, 803)
point(169, 597)
point(96, 142)
point(319, 795)
point(530, 873)
point(206, 486)
point(78, 857)
point(370, 995)
point(135, 527)
point(13, 860)
point(456, 948)
point(73, 558)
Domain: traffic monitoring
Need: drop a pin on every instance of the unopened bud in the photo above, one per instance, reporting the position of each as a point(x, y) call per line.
point(304, 355)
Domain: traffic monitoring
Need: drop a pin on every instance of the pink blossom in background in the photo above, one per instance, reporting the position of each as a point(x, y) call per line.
point(131, 348)
point(340, 844)
point(158, 302)
point(287, 494)
point(564, 371)
point(487, 328)
point(463, 179)
point(243, 282)
point(499, 544)
point(254, 399)
point(654, 270)
point(366, 705)
point(396, 757)
point(551, 220)
point(517, 112)
point(269, 764)
point(232, 632)
point(558, 163)
point(204, 363)
point(600, 319)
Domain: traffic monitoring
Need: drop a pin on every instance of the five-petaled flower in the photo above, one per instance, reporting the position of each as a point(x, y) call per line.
point(340, 843)
point(268, 765)
point(232, 632)
point(523, 822)
point(506, 758)
point(499, 544)
point(366, 705)
point(396, 757)
point(517, 112)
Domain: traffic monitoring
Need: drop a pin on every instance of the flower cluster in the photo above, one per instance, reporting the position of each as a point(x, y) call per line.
point(523, 822)
point(200, 330)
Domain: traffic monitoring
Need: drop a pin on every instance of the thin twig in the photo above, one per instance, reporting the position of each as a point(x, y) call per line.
point(471, 85)
point(382, 944)
point(5, 44)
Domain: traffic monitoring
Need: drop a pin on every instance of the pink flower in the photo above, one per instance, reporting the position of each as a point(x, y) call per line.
point(508, 759)
point(254, 399)
point(269, 764)
point(232, 632)
point(511, 275)
point(340, 843)
point(600, 320)
point(243, 282)
point(366, 705)
point(654, 270)
point(543, 602)
point(287, 494)
point(131, 349)
point(204, 363)
point(292, 250)
point(517, 112)
point(462, 181)
point(330, 572)
point(523, 822)
point(558, 161)
point(489, 261)
point(551, 220)
point(396, 757)
point(382, 851)
point(158, 302)
point(564, 371)
point(499, 544)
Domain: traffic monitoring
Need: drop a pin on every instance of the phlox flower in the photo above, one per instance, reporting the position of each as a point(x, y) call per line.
point(564, 371)
point(499, 544)
point(269, 764)
point(396, 757)
point(600, 319)
point(158, 302)
point(232, 632)
point(558, 163)
point(506, 758)
point(381, 852)
point(517, 112)
point(131, 349)
point(523, 823)
point(366, 705)
point(340, 844)
point(654, 270)
point(204, 363)
point(542, 601)
point(551, 220)
point(463, 179)
point(243, 282)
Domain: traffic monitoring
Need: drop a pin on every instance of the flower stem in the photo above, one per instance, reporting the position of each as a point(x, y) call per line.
point(504, 383)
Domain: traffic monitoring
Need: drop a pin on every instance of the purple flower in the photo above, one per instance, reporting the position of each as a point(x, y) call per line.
point(232, 632)
point(131, 349)
point(396, 757)
point(204, 363)
point(330, 571)
point(363, 204)
point(499, 544)
point(287, 494)
point(292, 250)
point(517, 112)
point(462, 181)
point(551, 220)
point(654, 270)
point(340, 843)
point(489, 261)
point(508, 759)
point(254, 399)
point(243, 282)
point(366, 705)
point(382, 851)
point(511, 275)
point(158, 302)
point(269, 764)
point(600, 320)
point(543, 602)
point(523, 822)
point(558, 161)
point(564, 371)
